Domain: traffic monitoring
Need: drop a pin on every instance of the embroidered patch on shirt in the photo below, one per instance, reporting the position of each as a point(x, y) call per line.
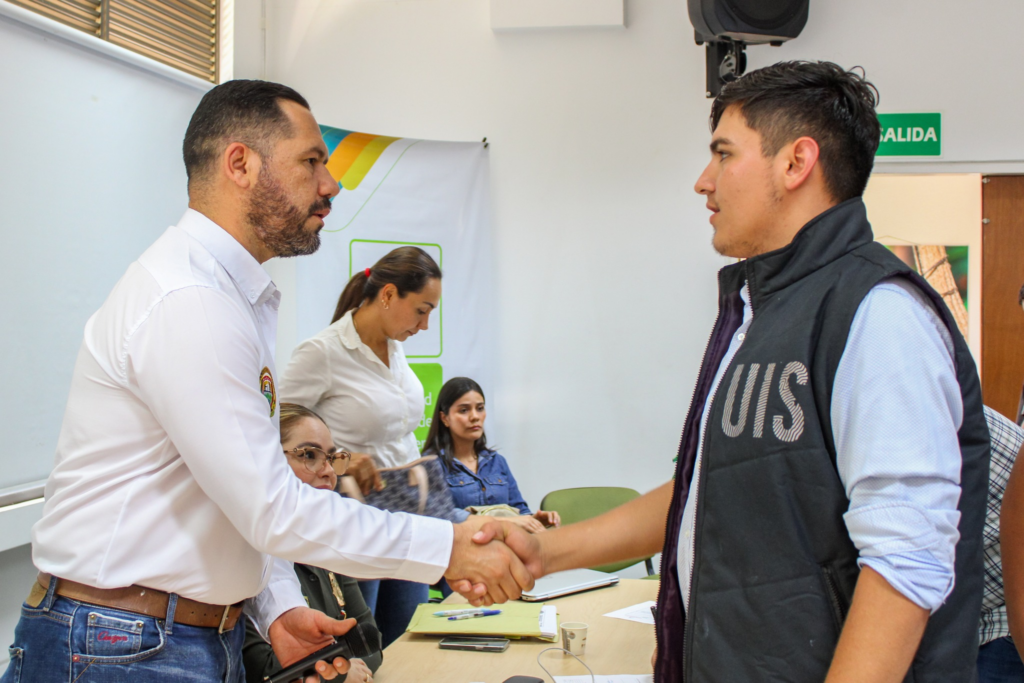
point(268, 389)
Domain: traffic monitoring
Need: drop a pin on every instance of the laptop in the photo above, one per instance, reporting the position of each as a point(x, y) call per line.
point(568, 582)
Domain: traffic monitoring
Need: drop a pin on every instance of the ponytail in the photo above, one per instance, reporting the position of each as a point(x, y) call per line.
point(352, 296)
point(407, 268)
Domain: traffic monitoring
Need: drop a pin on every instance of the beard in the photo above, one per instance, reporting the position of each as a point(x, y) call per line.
point(278, 223)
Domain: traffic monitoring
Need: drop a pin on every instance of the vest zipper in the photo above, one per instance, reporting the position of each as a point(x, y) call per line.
point(699, 472)
point(672, 507)
point(679, 464)
point(833, 596)
point(699, 475)
point(687, 631)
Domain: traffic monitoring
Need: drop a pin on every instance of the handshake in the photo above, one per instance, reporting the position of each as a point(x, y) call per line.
point(494, 561)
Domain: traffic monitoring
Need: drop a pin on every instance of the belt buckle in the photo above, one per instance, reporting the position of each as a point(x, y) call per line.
point(223, 619)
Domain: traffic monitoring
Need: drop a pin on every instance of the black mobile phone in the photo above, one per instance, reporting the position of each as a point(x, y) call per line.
point(361, 641)
point(475, 644)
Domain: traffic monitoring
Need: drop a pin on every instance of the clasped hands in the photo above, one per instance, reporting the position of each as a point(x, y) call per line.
point(493, 561)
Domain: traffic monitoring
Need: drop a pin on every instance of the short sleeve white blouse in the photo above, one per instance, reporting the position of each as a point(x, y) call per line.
point(368, 406)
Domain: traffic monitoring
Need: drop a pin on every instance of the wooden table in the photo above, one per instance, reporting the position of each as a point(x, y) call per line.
point(614, 646)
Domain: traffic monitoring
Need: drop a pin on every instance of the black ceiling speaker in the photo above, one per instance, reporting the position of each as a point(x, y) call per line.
point(728, 26)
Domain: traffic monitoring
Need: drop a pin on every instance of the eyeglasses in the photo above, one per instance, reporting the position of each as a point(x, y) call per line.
point(313, 458)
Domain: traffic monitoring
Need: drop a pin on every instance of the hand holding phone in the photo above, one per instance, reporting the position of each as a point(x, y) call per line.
point(361, 641)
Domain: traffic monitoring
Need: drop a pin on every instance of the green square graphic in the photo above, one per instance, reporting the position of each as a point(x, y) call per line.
point(910, 135)
point(432, 378)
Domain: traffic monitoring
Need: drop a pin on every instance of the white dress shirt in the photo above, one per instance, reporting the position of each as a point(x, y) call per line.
point(369, 407)
point(896, 410)
point(169, 470)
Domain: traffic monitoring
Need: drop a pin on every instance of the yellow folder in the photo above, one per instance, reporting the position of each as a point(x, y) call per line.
point(517, 620)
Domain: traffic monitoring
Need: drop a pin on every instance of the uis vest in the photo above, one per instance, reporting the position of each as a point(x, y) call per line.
point(774, 567)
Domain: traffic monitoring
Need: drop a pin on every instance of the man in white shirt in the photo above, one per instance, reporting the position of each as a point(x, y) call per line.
point(826, 516)
point(170, 496)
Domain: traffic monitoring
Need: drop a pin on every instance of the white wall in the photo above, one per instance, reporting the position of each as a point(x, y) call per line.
point(605, 276)
point(925, 56)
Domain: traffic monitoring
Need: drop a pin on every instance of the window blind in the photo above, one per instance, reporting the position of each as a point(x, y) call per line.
point(178, 33)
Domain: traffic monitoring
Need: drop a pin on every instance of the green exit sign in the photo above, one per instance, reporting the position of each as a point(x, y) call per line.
point(910, 135)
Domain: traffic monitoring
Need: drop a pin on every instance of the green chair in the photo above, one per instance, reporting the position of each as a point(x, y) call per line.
point(575, 505)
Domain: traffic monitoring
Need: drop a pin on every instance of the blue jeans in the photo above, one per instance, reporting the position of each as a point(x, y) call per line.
point(999, 662)
point(64, 640)
point(393, 602)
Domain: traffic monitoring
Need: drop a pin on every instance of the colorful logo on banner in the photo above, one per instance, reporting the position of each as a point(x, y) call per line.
point(352, 155)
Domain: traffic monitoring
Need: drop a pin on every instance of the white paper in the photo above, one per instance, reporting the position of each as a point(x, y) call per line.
point(626, 678)
point(549, 621)
point(640, 613)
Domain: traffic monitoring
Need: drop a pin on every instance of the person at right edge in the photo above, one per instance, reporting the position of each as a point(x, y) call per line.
point(825, 519)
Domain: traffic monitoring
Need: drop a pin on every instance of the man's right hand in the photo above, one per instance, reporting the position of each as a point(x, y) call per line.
point(301, 631)
point(487, 570)
point(527, 549)
point(362, 467)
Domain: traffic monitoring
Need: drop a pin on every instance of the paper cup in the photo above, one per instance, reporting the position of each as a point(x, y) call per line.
point(574, 637)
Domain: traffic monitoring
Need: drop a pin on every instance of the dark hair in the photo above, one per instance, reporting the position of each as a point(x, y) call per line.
point(291, 413)
point(439, 438)
point(821, 100)
point(237, 111)
point(407, 268)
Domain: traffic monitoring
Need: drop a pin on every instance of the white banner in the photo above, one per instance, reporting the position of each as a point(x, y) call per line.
point(400, 191)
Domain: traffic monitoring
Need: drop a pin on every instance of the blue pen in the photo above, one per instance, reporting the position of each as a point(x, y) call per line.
point(484, 613)
point(454, 612)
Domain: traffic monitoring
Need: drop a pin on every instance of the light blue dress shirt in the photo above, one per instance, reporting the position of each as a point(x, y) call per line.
point(896, 409)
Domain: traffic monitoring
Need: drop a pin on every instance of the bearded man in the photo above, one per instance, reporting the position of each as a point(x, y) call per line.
point(170, 493)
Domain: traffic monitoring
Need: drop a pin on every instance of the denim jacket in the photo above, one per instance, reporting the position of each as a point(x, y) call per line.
point(492, 484)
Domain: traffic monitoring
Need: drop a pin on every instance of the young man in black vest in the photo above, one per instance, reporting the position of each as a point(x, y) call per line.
point(825, 518)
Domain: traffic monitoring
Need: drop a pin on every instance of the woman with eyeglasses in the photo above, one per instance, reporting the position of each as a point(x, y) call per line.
point(307, 444)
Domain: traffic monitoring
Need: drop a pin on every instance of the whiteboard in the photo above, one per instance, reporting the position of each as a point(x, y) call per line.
point(90, 175)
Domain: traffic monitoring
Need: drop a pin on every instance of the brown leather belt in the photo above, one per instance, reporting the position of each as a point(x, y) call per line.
point(140, 600)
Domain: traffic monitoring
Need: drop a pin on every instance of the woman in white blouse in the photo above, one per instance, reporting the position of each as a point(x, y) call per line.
point(354, 374)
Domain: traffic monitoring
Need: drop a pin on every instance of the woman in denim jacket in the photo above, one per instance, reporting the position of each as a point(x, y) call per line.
point(476, 476)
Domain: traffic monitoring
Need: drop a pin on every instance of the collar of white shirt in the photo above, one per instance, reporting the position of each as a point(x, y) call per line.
point(350, 339)
point(246, 271)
